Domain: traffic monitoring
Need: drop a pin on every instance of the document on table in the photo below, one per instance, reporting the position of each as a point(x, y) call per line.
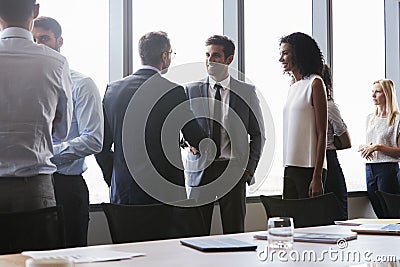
point(84, 254)
point(360, 221)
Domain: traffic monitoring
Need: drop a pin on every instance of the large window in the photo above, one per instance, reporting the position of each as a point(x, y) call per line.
point(86, 43)
point(358, 60)
point(188, 24)
point(85, 32)
point(265, 23)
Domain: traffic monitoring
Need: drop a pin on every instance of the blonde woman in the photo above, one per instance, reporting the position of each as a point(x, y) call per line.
point(382, 147)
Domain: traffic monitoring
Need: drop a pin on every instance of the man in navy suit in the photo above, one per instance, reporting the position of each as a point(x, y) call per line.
point(229, 111)
point(139, 104)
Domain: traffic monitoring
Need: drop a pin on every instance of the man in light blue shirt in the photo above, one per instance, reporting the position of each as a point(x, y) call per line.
point(85, 138)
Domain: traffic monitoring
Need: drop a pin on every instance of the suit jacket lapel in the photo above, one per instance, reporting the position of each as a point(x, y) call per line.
point(233, 95)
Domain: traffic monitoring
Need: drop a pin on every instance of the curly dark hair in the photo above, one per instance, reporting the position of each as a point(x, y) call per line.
point(306, 54)
point(327, 78)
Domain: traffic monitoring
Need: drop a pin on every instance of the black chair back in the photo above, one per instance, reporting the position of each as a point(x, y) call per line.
point(306, 212)
point(39, 229)
point(134, 223)
point(390, 204)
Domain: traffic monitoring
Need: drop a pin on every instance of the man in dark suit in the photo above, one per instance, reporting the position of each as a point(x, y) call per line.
point(145, 163)
point(235, 115)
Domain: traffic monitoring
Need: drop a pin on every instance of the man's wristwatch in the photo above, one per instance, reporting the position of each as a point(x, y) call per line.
point(246, 171)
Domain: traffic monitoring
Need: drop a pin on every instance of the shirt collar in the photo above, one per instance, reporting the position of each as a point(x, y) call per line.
point(16, 32)
point(148, 67)
point(224, 83)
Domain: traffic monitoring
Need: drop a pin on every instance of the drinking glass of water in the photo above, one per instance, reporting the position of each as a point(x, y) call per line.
point(280, 233)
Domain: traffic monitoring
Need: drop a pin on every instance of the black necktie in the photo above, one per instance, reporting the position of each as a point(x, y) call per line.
point(217, 118)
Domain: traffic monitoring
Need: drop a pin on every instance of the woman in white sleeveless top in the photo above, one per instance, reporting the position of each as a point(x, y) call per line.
point(304, 118)
point(382, 144)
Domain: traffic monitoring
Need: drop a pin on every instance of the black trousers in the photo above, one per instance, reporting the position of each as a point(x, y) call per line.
point(335, 181)
point(232, 205)
point(296, 181)
point(73, 195)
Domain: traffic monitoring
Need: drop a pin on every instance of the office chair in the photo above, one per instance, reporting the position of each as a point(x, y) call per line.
point(306, 212)
point(390, 204)
point(135, 223)
point(39, 229)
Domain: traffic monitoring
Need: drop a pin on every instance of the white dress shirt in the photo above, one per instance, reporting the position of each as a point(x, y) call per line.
point(336, 125)
point(86, 134)
point(225, 96)
point(35, 102)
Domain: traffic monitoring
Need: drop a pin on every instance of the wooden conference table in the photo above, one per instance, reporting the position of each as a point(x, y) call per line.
point(172, 253)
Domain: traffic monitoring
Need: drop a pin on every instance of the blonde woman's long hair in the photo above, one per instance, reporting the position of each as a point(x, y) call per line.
point(392, 109)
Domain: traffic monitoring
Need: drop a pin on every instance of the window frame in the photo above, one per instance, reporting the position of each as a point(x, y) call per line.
point(120, 41)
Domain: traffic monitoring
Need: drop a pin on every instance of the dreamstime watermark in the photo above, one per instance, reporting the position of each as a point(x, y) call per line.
point(340, 254)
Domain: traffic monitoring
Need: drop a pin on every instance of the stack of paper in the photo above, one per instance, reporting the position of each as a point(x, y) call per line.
point(360, 221)
point(84, 254)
